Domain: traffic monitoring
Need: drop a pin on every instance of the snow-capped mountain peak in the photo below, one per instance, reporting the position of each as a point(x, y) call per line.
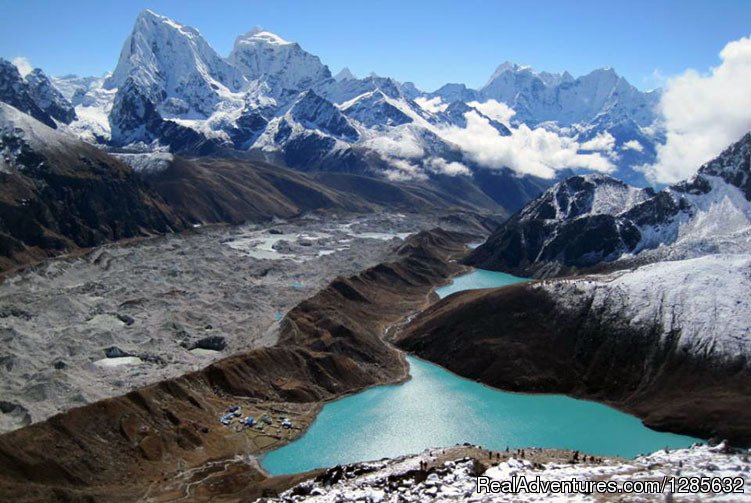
point(258, 34)
point(17, 91)
point(169, 81)
point(375, 109)
point(262, 55)
point(345, 74)
point(169, 61)
point(508, 67)
point(585, 195)
point(49, 99)
point(585, 220)
point(540, 97)
point(317, 113)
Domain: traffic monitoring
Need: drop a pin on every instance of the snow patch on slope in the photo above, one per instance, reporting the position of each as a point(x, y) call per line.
point(703, 301)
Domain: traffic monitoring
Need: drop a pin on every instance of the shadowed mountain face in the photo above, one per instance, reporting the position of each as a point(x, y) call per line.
point(59, 194)
point(587, 220)
point(16, 91)
point(209, 190)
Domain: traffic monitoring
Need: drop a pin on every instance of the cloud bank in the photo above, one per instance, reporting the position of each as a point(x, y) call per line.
point(703, 114)
point(444, 167)
point(536, 152)
point(633, 145)
point(604, 142)
point(433, 105)
point(495, 110)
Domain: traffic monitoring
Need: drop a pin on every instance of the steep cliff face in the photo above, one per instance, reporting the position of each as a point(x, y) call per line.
point(59, 194)
point(174, 67)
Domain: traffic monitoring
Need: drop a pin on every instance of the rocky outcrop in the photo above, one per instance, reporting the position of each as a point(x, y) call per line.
point(48, 98)
point(451, 474)
point(15, 91)
point(575, 224)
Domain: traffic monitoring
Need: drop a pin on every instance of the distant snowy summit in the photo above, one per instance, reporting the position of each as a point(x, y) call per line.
point(170, 89)
point(588, 220)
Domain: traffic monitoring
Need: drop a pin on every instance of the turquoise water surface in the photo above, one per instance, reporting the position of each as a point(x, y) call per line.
point(436, 408)
point(479, 278)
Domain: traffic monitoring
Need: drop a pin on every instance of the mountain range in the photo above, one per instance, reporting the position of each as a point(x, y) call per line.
point(271, 98)
point(591, 220)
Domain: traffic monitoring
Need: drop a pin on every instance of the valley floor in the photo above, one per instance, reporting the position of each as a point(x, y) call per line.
point(174, 303)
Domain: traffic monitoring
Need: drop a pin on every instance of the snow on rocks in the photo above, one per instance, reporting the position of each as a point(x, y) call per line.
point(406, 480)
point(704, 300)
point(147, 162)
point(262, 55)
point(172, 63)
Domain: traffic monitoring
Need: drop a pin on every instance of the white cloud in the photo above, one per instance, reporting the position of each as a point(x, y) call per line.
point(495, 110)
point(23, 65)
point(401, 144)
point(404, 170)
point(432, 105)
point(703, 114)
point(633, 145)
point(528, 151)
point(604, 142)
point(442, 166)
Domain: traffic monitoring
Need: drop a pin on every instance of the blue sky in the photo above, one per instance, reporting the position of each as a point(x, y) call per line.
point(429, 43)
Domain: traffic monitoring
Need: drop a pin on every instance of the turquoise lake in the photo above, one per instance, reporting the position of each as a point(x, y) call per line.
point(436, 408)
point(479, 278)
